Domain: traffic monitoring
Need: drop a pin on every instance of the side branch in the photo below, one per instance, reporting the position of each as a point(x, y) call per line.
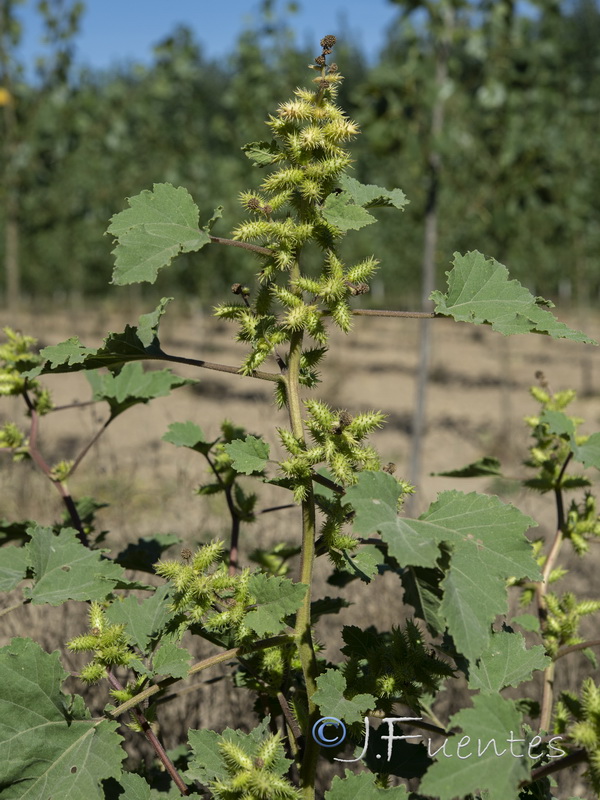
point(374, 312)
point(235, 652)
point(255, 248)
point(196, 362)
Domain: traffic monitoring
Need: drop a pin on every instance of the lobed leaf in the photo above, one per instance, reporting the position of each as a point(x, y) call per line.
point(276, 597)
point(64, 569)
point(479, 291)
point(331, 686)
point(48, 749)
point(248, 455)
point(499, 773)
point(142, 619)
point(133, 385)
point(362, 787)
point(506, 662)
point(158, 226)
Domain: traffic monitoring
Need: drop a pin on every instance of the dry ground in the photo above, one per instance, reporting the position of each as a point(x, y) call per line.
point(478, 396)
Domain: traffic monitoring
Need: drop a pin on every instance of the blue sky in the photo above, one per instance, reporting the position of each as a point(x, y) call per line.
point(118, 31)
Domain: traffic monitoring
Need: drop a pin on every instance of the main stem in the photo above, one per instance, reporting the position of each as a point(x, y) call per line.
point(303, 618)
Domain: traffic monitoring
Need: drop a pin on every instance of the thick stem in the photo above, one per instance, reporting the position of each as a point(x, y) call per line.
point(542, 588)
point(303, 618)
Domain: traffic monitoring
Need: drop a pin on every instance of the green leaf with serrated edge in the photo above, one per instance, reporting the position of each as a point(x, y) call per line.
point(69, 353)
point(147, 327)
point(207, 764)
point(248, 455)
point(374, 498)
point(588, 453)
point(488, 546)
point(64, 569)
point(142, 618)
point(217, 215)
point(486, 538)
point(262, 153)
point(464, 771)
point(171, 660)
point(188, 434)
point(479, 291)
point(364, 562)
point(158, 226)
point(368, 195)
point(49, 750)
point(14, 562)
point(506, 662)
point(134, 344)
point(529, 622)
point(133, 385)
point(331, 686)
point(341, 211)
point(362, 787)
point(276, 598)
point(483, 467)
point(558, 423)
point(133, 787)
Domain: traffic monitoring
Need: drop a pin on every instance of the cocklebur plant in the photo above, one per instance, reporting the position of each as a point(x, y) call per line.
point(455, 563)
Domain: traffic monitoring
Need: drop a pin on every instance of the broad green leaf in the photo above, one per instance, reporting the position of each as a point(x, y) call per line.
point(13, 566)
point(64, 569)
point(276, 598)
point(558, 423)
point(485, 536)
point(262, 153)
point(133, 385)
point(133, 787)
point(134, 344)
point(362, 787)
point(147, 327)
point(172, 660)
point(375, 500)
point(331, 686)
point(208, 763)
point(488, 547)
point(529, 622)
point(483, 467)
point(69, 353)
point(49, 751)
point(479, 291)
point(341, 211)
point(187, 434)
point(158, 226)
point(248, 455)
point(588, 453)
point(506, 662)
point(368, 195)
point(364, 563)
point(142, 618)
point(468, 766)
